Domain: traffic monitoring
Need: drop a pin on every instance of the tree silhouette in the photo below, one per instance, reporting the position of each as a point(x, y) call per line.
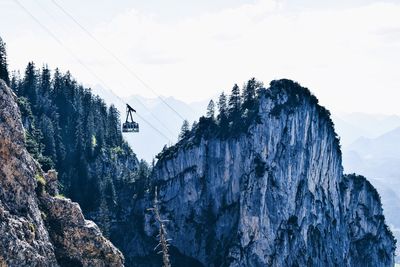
point(70, 129)
point(184, 130)
point(4, 75)
point(211, 109)
point(249, 93)
point(234, 101)
point(223, 112)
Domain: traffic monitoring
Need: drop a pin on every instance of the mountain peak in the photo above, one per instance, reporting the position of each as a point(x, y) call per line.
point(266, 187)
point(282, 98)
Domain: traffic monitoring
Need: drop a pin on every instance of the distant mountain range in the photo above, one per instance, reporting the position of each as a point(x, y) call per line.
point(352, 126)
point(371, 147)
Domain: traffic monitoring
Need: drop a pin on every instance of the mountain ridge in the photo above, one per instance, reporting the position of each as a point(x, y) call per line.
point(270, 194)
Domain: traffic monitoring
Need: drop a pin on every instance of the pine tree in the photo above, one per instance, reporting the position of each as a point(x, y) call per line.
point(45, 80)
point(143, 174)
point(184, 130)
point(4, 75)
point(101, 125)
point(104, 217)
point(223, 114)
point(33, 142)
point(194, 125)
point(234, 101)
point(57, 88)
point(44, 103)
point(30, 84)
point(62, 120)
point(211, 109)
point(16, 82)
point(47, 129)
point(79, 131)
point(91, 140)
point(249, 93)
point(114, 137)
point(60, 149)
point(110, 192)
point(222, 108)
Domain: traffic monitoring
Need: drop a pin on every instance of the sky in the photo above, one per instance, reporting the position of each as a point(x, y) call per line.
point(346, 52)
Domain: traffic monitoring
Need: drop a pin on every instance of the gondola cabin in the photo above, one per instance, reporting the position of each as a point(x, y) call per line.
point(130, 126)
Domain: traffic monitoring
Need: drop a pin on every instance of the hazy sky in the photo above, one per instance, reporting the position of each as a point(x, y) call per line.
point(346, 52)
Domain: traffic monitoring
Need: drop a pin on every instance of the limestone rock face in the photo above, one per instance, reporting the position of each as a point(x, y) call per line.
point(76, 240)
point(274, 195)
point(37, 228)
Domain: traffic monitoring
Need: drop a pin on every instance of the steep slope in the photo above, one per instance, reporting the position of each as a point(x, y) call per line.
point(38, 228)
point(272, 193)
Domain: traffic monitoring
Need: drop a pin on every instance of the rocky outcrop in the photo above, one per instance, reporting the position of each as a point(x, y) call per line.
point(273, 195)
point(38, 228)
point(77, 241)
point(370, 236)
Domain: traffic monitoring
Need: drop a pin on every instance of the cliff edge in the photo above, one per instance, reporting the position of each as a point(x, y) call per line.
point(270, 192)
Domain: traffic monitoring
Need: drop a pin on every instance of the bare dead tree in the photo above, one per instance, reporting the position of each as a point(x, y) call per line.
point(162, 234)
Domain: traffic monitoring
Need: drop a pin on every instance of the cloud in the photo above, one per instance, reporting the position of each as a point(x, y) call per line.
point(348, 56)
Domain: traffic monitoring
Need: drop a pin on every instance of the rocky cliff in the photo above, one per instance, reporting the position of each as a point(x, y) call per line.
point(37, 226)
point(273, 194)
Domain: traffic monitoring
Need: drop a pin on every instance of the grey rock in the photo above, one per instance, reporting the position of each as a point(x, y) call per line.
point(76, 240)
point(274, 195)
point(38, 228)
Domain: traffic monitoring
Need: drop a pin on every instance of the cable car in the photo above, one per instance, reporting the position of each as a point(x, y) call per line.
point(130, 126)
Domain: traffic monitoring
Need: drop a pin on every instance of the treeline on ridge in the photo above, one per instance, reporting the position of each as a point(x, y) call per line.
point(235, 114)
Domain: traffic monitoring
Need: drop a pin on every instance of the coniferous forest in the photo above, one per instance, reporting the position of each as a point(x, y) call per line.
point(230, 171)
point(69, 129)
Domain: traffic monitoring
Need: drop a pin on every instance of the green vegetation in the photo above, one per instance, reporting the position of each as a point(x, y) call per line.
point(40, 179)
point(32, 227)
point(73, 131)
point(94, 142)
point(238, 111)
point(41, 184)
point(117, 150)
point(43, 215)
point(235, 115)
point(4, 75)
point(60, 196)
point(70, 129)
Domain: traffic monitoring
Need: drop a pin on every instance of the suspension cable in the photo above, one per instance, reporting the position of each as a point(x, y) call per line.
point(128, 69)
point(137, 99)
point(82, 64)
